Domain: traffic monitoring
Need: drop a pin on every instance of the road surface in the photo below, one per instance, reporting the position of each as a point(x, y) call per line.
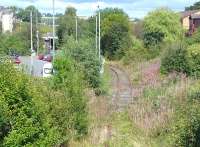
point(37, 65)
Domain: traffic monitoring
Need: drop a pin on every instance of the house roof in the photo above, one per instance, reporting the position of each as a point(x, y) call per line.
point(49, 36)
point(188, 13)
point(195, 16)
point(4, 10)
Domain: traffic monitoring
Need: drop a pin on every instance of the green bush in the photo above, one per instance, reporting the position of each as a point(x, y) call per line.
point(193, 54)
point(84, 53)
point(161, 25)
point(175, 59)
point(115, 33)
point(195, 38)
point(194, 92)
point(71, 113)
point(13, 43)
point(35, 112)
point(186, 129)
point(137, 52)
point(21, 123)
point(182, 58)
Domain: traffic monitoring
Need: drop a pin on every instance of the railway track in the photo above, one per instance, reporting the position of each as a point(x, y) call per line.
point(121, 88)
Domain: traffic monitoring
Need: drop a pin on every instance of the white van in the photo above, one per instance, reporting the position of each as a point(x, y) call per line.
point(47, 70)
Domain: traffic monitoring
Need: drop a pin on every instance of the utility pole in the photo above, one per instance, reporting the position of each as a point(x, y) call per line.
point(37, 32)
point(31, 20)
point(38, 42)
point(96, 33)
point(53, 29)
point(99, 33)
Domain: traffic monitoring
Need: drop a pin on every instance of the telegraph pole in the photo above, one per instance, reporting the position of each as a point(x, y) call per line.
point(38, 44)
point(31, 20)
point(99, 33)
point(37, 32)
point(96, 33)
point(53, 29)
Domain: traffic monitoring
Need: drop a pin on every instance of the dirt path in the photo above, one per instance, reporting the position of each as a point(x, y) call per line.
point(121, 88)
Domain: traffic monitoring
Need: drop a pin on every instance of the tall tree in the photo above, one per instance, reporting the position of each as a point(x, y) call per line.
point(115, 32)
point(161, 25)
point(70, 11)
point(24, 14)
point(67, 24)
point(195, 6)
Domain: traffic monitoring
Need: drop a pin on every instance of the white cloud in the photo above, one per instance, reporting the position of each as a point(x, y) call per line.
point(135, 8)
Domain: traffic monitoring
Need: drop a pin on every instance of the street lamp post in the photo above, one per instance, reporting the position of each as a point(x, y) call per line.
point(53, 29)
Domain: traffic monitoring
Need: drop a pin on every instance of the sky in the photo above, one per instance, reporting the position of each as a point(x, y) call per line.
point(134, 8)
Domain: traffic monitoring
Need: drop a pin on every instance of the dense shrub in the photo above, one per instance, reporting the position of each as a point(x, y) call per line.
point(84, 53)
point(72, 115)
point(22, 124)
point(13, 43)
point(195, 38)
point(35, 112)
point(175, 59)
point(193, 54)
point(161, 25)
point(186, 129)
point(137, 52)
point(194, 92)
point(115, 33)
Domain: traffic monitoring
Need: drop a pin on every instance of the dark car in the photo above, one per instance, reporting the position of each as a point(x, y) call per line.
point(48, 58)
point(15, 59)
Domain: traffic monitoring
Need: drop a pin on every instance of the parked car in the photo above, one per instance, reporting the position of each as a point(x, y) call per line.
point(15, 59)
point(40, 56)
point(47, 70)
point(48, 58)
